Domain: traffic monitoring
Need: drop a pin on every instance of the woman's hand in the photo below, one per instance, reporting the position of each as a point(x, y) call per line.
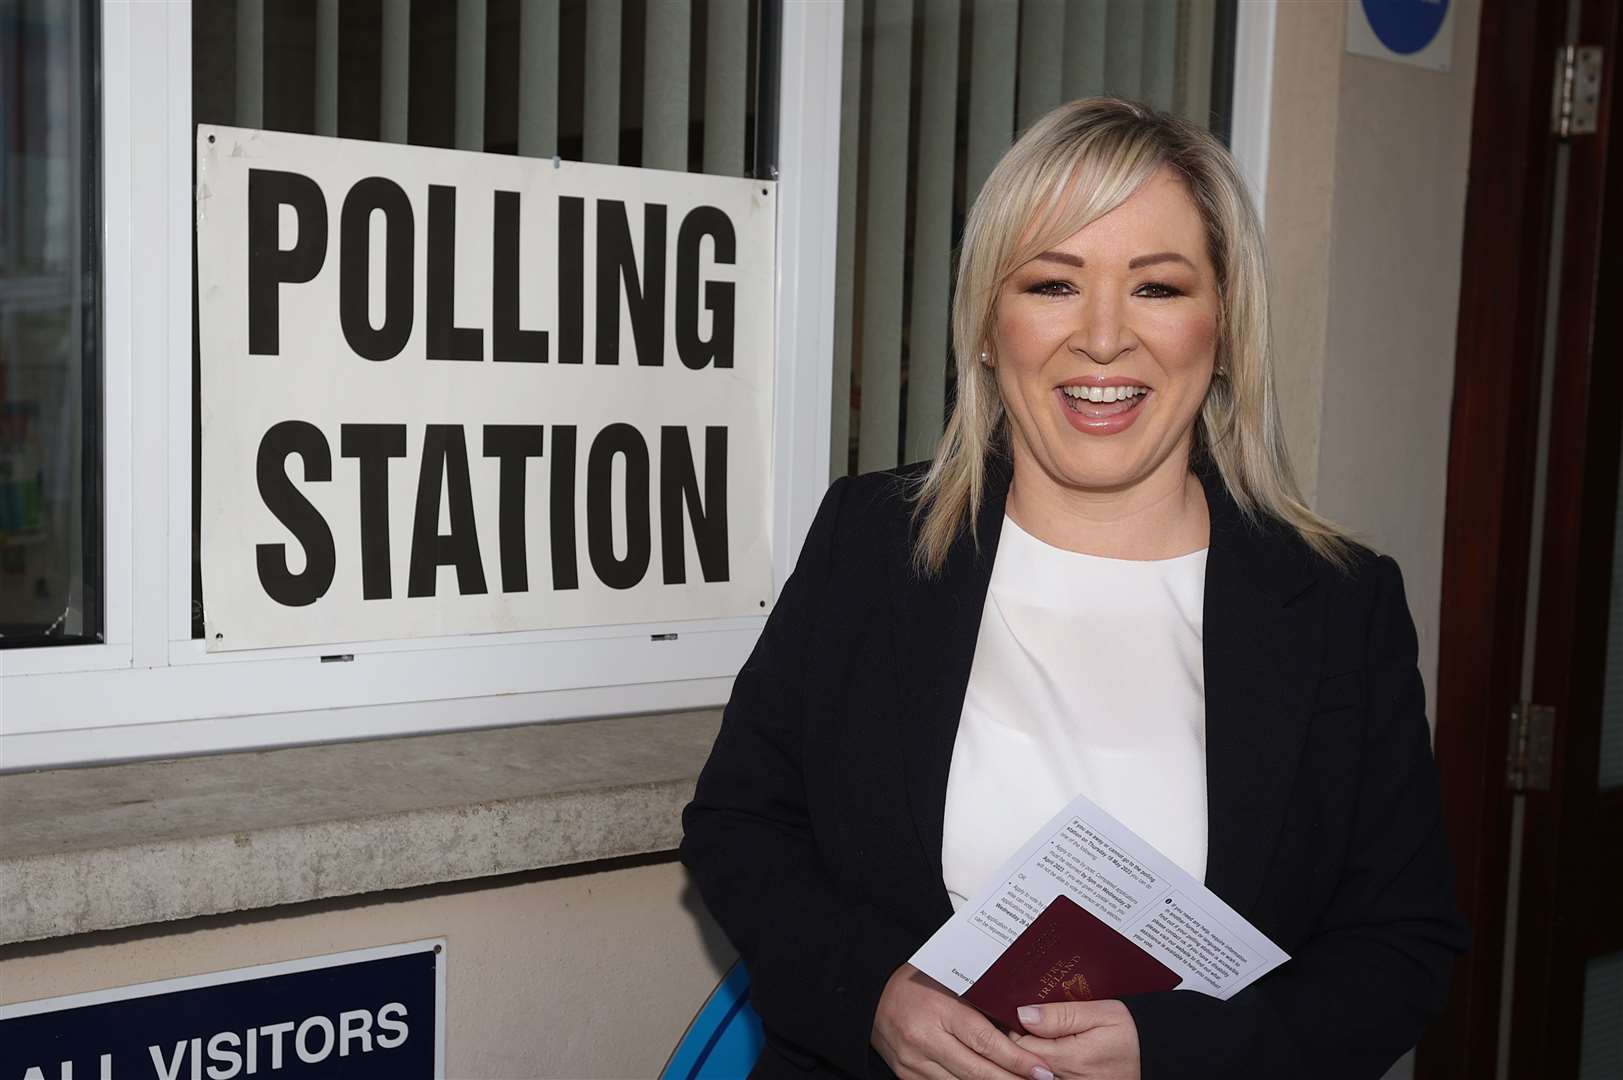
point(1083, 1038)
point(922, 1031)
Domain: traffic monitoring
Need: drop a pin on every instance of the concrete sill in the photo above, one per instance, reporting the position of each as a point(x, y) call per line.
point(133, 844)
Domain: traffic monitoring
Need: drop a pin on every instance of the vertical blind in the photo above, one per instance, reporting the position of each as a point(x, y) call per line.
point(666, 84)
point(934, 91)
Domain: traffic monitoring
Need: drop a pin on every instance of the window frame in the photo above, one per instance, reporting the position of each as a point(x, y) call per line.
point(150, 689)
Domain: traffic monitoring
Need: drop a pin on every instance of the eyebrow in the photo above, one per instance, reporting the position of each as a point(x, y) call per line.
point(1140, 261)
point(1159, 257)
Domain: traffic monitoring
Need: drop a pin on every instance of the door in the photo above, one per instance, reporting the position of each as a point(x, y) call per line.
point(1530, 687)
point(1566, 966)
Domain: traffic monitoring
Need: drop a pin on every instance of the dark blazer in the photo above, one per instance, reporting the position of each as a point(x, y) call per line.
point(815, 833)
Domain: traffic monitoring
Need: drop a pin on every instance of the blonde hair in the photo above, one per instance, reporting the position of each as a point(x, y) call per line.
point(1076, 164)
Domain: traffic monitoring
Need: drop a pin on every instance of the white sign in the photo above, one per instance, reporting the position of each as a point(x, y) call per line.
point(449, 393)
point(1417, 32)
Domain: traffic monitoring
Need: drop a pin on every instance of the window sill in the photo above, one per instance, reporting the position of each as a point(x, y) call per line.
point(147, 842)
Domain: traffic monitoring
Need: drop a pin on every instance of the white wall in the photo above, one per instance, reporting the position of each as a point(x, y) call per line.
point(1365, 219)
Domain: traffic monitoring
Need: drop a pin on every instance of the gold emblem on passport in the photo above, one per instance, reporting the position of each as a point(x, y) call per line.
point(1076, 988)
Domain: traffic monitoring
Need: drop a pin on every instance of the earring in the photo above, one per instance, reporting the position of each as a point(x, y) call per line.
point(984, 361)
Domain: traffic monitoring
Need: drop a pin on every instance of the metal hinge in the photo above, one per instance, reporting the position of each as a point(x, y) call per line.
point(1576, 103)
point(1532, 747)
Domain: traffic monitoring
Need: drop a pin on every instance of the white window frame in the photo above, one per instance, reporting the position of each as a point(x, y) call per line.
point(152, 690)
point(1251, 112)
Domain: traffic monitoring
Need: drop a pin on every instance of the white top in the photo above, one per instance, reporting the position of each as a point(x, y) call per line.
point(1088, 679)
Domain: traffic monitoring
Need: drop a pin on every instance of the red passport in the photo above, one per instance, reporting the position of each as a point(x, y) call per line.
point(1066, 954)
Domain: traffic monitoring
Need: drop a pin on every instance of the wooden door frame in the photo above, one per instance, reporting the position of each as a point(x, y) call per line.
point(1566, 863)
point(1487, 527)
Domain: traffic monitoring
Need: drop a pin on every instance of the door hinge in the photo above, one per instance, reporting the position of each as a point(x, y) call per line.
point(1532, 747)
point(1576, 104)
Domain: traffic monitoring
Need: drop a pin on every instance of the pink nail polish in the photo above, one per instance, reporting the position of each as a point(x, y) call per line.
point(1040, 1073)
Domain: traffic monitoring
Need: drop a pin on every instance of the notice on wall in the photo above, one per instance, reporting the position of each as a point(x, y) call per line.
point(449, 393)
point(1415, 32)
point(370, 1013)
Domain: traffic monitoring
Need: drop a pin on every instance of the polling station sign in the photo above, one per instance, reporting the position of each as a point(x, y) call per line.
point(447, 392)
point(371, 1013)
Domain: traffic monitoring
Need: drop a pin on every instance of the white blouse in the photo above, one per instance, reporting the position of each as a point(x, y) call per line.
point(1088, 679)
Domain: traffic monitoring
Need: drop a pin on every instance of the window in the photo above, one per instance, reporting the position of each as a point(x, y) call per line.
point(97, 297)
point(50, 416)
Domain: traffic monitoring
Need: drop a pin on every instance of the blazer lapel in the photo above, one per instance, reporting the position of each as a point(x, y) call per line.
point(1262, 641)
point(938, 622)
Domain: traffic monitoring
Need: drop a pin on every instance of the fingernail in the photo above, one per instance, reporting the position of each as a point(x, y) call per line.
point(1030, 1014)
point(1040, 1073)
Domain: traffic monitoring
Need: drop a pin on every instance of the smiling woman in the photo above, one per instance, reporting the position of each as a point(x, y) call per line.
point(1103, 584)
point(1093, 319)
point(1175, 286)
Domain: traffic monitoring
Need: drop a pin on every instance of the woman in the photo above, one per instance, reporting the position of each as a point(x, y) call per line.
point(1104, 583)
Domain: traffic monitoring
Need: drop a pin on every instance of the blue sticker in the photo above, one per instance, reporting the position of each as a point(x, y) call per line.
point(1405, 26)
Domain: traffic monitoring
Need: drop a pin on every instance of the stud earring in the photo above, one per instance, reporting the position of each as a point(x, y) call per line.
point(984, 361)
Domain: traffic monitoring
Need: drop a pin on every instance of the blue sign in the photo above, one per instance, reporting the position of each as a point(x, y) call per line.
point(374, 1013)
point(1405, 26)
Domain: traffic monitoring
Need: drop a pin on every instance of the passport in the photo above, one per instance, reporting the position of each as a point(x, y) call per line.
point(1066, 954)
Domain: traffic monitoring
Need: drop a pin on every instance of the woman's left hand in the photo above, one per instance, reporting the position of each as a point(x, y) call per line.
point(1093, 1039)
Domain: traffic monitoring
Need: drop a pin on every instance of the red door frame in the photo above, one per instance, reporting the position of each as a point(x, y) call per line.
point(1490, 483)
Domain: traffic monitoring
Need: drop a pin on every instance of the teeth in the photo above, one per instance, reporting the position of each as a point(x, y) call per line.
point(1104, 393)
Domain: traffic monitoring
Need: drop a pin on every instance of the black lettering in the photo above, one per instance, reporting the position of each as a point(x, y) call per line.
point(507, 341)
point(376, 194)
point(561, 494)
point(446, 340)
point(268, 264)
point(679, 484)
point(571, 279)
point(645, 299)
point(445, 460)
point(373, 445)
point(625, 441)
point(697, 352)
point(513, 445)
point(296, 513)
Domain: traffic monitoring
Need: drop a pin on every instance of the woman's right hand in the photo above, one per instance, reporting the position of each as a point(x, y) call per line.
point(923, 1032)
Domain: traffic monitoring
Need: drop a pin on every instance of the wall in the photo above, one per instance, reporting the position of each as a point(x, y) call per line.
point(1365, 220)
point(1366, 211)
point(594, 973)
